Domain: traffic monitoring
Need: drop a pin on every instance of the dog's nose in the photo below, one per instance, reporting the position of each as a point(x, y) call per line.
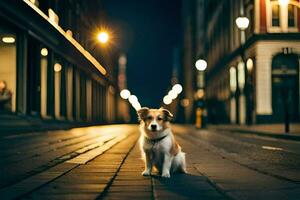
point(153, 126)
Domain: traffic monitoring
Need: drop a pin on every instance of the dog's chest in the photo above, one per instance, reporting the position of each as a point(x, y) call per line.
point(158, 148)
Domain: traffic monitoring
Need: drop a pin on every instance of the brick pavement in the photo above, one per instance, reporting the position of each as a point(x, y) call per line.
point(115, 174)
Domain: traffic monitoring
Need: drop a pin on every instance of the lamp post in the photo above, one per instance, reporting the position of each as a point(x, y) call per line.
point(242, 23)
point(201, 66)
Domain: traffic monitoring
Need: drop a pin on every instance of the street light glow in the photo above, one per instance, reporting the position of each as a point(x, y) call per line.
point(177, 88)
point(136, 106)
point(249, 64)
point(172, 94)
point(103, 37)
point(8, 40)
point(167, 100)
point(133, 99)
point(44, 52)
point(57, 67)
point(201, 65)
point(125, 94)
point(242, 23)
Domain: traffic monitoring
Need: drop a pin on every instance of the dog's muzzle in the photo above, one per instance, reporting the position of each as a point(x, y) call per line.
point(153, 127)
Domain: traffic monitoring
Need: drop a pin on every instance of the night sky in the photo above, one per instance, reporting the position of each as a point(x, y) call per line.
point(148, 31)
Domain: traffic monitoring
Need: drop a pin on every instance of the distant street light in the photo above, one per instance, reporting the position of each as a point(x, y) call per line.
point(177, 88)
point(243, 83)
point(201, 65)
point(133, 99)
point(103, 37)
point(242, 23)
point(167, 100)
point(44, 52)
point(172, 94)
point(125, 94)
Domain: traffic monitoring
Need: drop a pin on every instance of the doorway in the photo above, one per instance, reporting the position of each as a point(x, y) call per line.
point(285, 87)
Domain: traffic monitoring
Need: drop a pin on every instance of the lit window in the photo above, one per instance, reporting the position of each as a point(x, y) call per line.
point(233, 81)
point(275, 15)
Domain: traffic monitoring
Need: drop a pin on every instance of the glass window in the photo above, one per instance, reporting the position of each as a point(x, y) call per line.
point(275, 15)
point(7, 71)
point(292, 13)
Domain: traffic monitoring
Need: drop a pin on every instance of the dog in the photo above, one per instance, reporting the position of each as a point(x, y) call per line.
point(158, 145)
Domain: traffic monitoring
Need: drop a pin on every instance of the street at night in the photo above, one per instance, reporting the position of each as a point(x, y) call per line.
point(150, 100)
point(105, 162)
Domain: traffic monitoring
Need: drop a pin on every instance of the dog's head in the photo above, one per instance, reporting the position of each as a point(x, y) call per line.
point(155, 119)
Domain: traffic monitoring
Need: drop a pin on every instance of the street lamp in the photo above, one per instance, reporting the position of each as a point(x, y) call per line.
point(242, 23)
point(201, 66)
point(103, 37)
point(242, 93)
point(125, 94)
point(167, 100)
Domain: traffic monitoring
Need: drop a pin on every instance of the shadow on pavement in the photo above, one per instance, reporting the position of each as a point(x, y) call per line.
point(186, 186)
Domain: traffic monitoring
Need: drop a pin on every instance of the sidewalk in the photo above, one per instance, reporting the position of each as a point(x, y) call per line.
point(269, 130)
point(19, 124)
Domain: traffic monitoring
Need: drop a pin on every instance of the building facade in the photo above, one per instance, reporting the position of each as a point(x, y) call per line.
point(193, 48)
point(48, 62)
point(253, 75)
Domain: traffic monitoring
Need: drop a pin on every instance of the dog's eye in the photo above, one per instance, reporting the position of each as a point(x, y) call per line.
point(149, 117)
point(159, 118)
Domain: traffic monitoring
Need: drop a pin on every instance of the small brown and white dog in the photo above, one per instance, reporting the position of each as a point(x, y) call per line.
point(157, 142)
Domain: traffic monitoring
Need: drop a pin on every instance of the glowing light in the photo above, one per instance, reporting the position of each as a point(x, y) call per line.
point(283, 2)
point(167, 100)
point(44, 52)
point(201, 65)
point(241, 75)
point(177, 88)
point(122, 59)
point(8, 40)
point(57, 67)
point(242, 23)
point(272, 148)
point(233, 81)
point(69, 33)
point(103, 37)
point(125, 94)
point(185, 102)
point(249, 64)
point(172, 94)
point(200, 94)
point(136, 106)
point(53, 17)
point(133, 99)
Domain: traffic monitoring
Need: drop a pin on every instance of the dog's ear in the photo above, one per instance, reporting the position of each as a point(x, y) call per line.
point(168, 116)
point(142, 113)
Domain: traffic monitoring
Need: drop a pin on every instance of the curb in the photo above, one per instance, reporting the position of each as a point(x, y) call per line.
point(266, 134)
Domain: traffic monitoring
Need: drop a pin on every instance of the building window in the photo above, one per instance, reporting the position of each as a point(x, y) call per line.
point(292, 15)
point(282, 15)
point(8, 71)
point(275, 15)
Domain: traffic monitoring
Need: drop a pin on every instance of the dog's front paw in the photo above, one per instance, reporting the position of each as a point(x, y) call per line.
point(166, 175)
point(146, 173)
